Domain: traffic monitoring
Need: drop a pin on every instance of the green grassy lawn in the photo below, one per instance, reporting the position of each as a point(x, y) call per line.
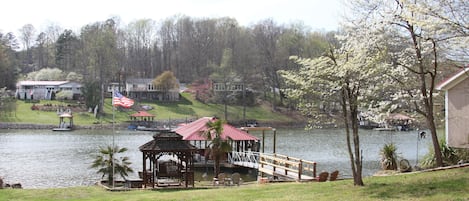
point(188, 107)
point(439, 185)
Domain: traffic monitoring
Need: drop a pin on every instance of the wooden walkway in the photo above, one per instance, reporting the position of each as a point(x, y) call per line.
point(277, 165)
point(244, 159)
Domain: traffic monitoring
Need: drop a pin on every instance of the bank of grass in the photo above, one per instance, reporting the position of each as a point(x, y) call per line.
point(439, 185)
point(187, 108)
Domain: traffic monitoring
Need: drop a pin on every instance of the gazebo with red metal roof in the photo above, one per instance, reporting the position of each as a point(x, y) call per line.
point(402, 122)
point(241, 140)
point(142, 119)
point(142, 116)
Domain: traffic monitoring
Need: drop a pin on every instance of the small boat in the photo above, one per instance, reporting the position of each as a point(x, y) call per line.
point(154, 129)
point(384, 129)
point(62, 129)
point(63, 124)
point(132, 127)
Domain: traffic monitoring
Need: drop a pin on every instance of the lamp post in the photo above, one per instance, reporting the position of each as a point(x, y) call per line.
point(420, 135)
point(417, 156)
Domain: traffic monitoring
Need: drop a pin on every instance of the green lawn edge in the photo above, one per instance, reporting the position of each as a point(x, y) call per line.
point(186, 108)
point(438, 185)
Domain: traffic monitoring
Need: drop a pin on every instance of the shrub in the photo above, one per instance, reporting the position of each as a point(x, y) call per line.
point(389, 157)
point(449, 155)
point(64, 95)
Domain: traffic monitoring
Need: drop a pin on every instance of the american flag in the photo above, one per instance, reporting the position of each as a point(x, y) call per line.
point(120, 100)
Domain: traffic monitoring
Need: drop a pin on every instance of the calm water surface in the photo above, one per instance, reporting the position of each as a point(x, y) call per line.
point(46, 159)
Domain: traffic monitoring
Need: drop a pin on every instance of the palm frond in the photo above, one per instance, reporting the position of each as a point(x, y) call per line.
point(107, 162)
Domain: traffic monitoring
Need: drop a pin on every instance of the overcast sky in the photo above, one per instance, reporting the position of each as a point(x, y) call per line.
point(69, 14)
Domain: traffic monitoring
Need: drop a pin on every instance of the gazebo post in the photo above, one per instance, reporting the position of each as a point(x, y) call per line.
point(144, 172)
point(263, 139)
point(187, 172)
point(154, 161)
point(275, 138)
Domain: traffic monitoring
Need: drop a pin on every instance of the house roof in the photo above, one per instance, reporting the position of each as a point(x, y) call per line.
point(71, 84)
point(40, 83)
point(140, 81)
point(398, 116)
point(142, 114)
point(453, 80)
point(194, 130)
point(66, 115)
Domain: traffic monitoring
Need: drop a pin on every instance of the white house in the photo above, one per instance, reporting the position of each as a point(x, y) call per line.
point(456, 90)
point(231, 87)
point(44, 90)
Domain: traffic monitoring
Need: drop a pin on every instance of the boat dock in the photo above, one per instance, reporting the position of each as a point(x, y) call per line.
point(279, 167)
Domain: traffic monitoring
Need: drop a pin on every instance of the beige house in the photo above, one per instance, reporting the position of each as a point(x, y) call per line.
point(143, 89)
point(456, 90)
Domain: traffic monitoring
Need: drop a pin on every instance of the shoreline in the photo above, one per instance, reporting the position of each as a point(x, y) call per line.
point(10, 125)
point(15, 125)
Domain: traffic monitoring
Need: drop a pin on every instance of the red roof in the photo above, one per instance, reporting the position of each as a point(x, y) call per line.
point(398, 116)
point(142, 114)
point(194, 131)
point(66, 115)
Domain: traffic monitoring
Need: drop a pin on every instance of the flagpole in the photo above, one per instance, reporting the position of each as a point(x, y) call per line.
point(126, 103)
point(113, 146)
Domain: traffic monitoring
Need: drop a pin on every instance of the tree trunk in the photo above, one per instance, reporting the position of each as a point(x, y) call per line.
point(217, 164)
point(347, 131)
point(427, 97)
point(244, 101)
point(226, 109)
point(101, 91)
point(353, 105)
point(350, 121)
point(436, 144)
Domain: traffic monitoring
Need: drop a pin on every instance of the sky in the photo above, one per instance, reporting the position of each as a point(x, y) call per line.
point(322, 15)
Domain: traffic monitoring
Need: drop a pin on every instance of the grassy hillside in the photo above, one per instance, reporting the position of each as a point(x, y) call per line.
point(188, 108)
point(440, 185)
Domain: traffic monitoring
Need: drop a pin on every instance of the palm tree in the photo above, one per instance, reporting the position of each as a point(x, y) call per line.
point(218, 146)
point(107, 160)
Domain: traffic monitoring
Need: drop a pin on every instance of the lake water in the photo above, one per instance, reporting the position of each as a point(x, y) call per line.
point(46, 159)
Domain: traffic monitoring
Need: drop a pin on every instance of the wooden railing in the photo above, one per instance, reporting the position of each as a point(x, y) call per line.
point(287, 166)
point(275, 164)
point(247, 159)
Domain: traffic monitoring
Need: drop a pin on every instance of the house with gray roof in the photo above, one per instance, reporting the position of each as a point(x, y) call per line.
point(45, 90)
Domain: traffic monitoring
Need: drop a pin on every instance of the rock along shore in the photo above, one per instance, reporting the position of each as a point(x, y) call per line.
point(11, 125)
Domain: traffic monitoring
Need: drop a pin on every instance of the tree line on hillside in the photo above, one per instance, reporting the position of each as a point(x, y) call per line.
point(191, 48)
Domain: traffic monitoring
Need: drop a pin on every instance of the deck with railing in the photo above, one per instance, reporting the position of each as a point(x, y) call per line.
point(276, 165)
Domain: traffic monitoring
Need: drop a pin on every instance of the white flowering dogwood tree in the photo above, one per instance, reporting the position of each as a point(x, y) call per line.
point(351, 74)
point(389, 54)
point(446, 22)
point(425, 34)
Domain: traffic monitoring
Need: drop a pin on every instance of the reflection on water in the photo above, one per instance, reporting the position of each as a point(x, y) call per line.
point(46, 159)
